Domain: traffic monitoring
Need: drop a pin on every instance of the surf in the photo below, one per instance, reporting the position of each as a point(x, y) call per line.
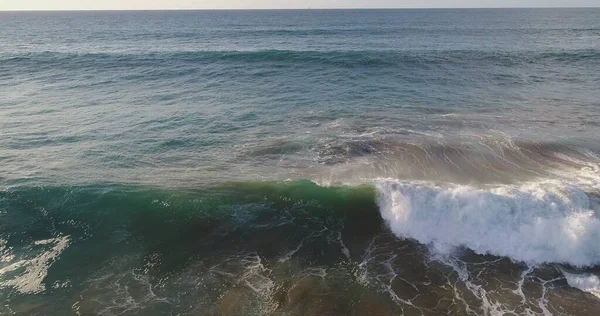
point(537, 222)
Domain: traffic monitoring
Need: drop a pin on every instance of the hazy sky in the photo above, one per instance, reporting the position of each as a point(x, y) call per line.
point(274, 4)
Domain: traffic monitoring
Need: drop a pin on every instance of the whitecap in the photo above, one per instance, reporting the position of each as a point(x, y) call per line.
point(586, 282)
point(536, 222)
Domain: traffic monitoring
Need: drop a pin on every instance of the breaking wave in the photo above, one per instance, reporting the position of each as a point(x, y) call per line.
point(536, 222)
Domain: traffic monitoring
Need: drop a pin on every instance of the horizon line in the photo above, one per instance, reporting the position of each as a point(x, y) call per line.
point(293, 9)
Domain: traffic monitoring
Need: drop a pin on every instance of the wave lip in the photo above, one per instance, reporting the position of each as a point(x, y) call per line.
point(537, 222)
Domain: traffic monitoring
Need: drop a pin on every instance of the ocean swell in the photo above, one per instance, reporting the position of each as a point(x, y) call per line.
point(338, 58)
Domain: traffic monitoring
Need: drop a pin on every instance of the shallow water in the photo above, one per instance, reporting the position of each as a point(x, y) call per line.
point(354, 162)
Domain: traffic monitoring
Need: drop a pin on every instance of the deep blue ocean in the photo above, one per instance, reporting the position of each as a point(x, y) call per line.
point(304, 162)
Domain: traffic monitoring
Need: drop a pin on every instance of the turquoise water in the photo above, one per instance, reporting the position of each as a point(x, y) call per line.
point(351, 162)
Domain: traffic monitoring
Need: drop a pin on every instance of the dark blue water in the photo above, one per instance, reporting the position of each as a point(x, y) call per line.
point(300, 162)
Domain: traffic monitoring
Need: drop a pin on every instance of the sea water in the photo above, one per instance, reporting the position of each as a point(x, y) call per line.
point(316, 162)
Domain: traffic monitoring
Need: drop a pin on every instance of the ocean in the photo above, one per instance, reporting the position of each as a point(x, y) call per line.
point(305, 162)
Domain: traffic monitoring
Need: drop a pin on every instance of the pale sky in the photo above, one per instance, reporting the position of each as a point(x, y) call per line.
point(274, 4)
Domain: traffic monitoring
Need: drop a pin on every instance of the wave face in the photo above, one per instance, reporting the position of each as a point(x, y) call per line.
point(537, 223)
point(269, 248)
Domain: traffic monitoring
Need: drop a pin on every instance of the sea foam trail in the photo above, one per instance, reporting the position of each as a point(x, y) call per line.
point(537, 222)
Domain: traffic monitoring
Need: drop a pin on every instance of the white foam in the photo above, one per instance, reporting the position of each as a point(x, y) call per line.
point(586, 174)
point(537, 222)
point(35, 269)
point(586, 282)
point(5, 254)
point(117, 290)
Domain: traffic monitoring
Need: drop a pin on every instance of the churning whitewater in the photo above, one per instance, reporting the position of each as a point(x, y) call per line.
point(536, 222)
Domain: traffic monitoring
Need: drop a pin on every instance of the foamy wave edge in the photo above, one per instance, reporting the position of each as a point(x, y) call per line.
point(536, 222)
point(585, 282)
